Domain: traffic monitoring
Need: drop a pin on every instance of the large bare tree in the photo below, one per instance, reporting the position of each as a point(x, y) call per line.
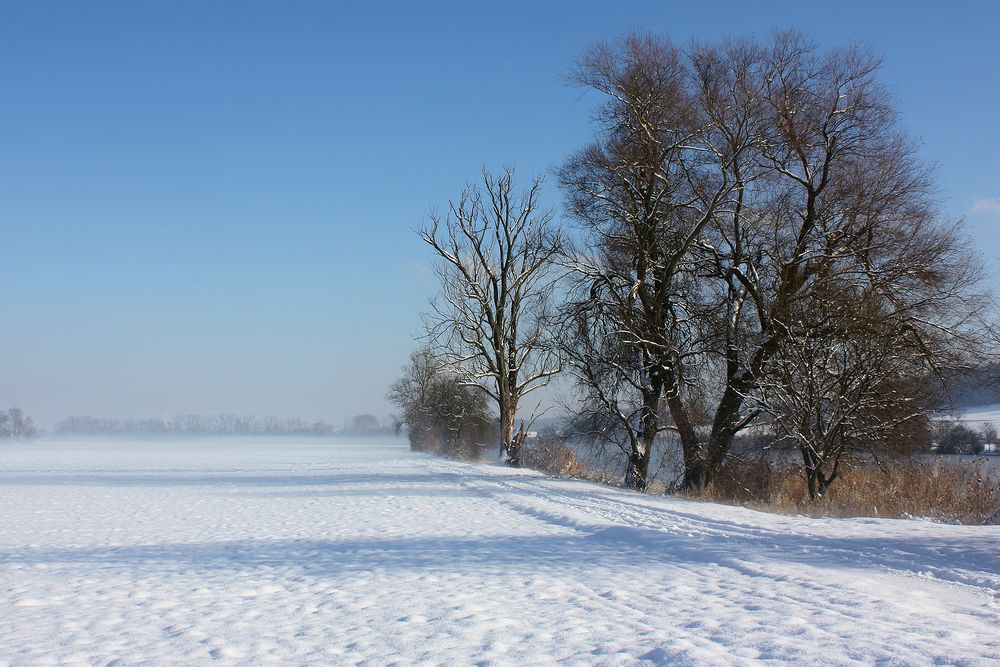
point(644, 191)
point(495, 251)
point(731, 184)
point(837, 201)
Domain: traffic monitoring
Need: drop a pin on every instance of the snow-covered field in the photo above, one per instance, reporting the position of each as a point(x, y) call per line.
point(298, 552)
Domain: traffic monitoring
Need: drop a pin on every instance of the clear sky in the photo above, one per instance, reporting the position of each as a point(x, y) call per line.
point(209, 206)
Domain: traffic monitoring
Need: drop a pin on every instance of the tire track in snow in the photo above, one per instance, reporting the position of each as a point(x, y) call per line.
point(617, 511)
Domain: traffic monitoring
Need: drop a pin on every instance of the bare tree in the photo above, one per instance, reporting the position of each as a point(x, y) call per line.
point(489, 325)
point(731, 185)
point(644, 192)
point(412, 393)
point(14, 424)
point(363, 424)
point(990, 434)
point(608, 404)
point(838, 197)
point(845, 387)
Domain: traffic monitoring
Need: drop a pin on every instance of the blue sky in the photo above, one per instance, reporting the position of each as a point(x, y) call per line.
point(209, 207)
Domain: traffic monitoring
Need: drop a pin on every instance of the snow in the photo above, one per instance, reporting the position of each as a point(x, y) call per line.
point(301, 552)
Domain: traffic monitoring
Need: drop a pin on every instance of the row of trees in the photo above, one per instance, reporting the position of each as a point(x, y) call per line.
point(15, 425)
point(216, 425)
point(757, 246)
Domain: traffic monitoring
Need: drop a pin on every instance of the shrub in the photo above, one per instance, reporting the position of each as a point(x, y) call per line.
point(960, 439)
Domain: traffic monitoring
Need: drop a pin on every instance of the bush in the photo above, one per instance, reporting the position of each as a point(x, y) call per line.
point(442, 414)
point(466, 443)
point(960, 439)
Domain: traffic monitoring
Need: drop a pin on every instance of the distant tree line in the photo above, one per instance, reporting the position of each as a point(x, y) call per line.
point(15, 425)
point(215, 425)
point(758, 255)
point(366, 425)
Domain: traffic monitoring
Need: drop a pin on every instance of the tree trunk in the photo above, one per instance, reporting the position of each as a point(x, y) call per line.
point(514, 458)
point(637, 472)
point(690, 447)
point(694, 471)
point(816, 480)
point(509, 446)
point(703, 464)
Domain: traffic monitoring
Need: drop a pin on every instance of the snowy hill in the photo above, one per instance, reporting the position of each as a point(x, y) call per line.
point(298, 552)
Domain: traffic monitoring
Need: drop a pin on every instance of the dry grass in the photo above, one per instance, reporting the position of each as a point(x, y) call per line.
point(551, 455)
point(966, 492)
point(554, 457)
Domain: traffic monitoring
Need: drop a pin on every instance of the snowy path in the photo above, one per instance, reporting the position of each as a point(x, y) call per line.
point(291, 553)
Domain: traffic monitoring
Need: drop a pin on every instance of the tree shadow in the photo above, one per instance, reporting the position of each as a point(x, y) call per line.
point(154, 478)
point(609, 547)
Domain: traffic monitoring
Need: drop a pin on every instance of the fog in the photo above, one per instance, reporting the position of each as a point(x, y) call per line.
point(319, 387)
